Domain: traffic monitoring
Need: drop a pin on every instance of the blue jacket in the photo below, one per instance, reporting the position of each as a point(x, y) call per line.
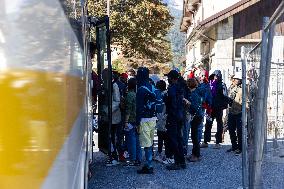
point(204, 92)
point(174, 103)
point(141, 95)
point(122, 87)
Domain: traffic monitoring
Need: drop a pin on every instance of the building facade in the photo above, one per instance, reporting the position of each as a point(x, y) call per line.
point(216, 30)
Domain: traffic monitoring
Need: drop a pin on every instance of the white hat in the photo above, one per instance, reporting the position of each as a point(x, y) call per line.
point(238, 75)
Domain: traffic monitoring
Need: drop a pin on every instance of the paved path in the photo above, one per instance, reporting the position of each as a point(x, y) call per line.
point(217, 170)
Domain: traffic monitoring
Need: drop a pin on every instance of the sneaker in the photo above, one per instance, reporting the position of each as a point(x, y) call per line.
point(126, 155)
point(217, 146)
point(146, 170)
point(156, 155)
point(169, 161)
point(204, 145)
point(163, 158)
point(193, 158)
point(159, 158)
point(238, 152)
point(174, 167)
point(137, 163)
point(112, 163)
point(129, 164)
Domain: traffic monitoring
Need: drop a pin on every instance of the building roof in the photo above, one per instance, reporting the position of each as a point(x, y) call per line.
point(218, 17)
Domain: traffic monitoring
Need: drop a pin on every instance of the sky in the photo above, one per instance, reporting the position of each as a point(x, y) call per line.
point(176, 3)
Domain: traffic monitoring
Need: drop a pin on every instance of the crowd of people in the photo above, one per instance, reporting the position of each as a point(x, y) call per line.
point(173, 109)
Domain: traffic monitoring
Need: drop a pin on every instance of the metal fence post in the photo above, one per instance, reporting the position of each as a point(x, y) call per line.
point(255, 172)
point(244, 121)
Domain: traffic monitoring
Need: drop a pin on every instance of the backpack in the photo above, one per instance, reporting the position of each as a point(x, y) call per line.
point(154, 103)
point(225, 90)
point(225, 101)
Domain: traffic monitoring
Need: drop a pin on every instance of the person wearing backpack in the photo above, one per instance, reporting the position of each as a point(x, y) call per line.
point(174, 109)
point(194, 103)
point(161, 122)
point(145, 116)
point(219, 103)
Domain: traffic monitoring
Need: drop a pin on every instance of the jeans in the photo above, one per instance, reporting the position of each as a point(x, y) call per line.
point(133, 145)
point(235, 123)
point(200, 131)
point(186, 130)
point(119, 138)
point(216, 114)
point(194, 135)
point(162, 137)
point(148, 156)
point(115, 135)
point(175, 133)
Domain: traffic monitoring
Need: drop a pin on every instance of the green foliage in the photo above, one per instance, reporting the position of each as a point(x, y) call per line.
point(176, 38)
point(118, 66)
point(138, 26)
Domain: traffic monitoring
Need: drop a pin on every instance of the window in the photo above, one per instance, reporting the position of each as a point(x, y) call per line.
point(249, 45)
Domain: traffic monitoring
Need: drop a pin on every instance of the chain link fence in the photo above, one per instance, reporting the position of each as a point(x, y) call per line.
point(264, 112)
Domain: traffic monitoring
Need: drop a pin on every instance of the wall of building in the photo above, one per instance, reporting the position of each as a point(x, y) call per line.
point(193, 54)
point(211, 7)
point(248, 23)
point(223, 49)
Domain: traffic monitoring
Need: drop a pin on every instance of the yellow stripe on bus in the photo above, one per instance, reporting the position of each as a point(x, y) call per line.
point(38, 110)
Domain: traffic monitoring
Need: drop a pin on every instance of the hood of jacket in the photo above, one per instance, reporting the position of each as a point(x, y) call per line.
point(142, 76)
point(218, 73)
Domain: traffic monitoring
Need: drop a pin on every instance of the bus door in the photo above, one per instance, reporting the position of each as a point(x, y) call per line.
point(104, 72)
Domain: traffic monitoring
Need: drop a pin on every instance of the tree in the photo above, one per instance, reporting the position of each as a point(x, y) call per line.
point(138, 26)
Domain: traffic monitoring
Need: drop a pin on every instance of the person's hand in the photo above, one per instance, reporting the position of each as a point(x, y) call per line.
point(186, 102)
point(138, 129)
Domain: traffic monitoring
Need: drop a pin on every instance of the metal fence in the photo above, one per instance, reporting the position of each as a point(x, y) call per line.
point(263, 103)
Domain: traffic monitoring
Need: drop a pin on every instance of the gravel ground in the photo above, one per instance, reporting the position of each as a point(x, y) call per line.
point(217, 170)
point(273, 167)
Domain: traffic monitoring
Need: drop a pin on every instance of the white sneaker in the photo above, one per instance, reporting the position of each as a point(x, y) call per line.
point(126, 154)
point(169, 161)
point(112, 163)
